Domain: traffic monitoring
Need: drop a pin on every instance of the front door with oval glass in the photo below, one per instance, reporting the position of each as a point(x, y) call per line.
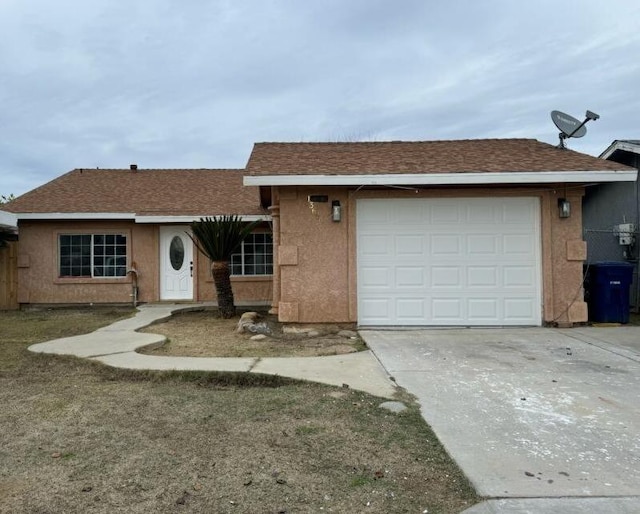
point(176, 264)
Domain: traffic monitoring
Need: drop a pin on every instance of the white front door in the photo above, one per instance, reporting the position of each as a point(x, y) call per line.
point(449, 261)
point(176, 263)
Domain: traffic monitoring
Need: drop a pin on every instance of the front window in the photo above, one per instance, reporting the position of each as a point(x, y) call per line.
point(92, 255)
point(255, 256)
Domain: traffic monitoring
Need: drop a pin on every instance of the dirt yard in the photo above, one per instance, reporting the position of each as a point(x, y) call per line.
point(78, 437)
point(204, 334)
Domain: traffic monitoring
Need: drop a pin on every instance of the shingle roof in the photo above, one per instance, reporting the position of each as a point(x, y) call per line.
point(462, 156)
point(150, 192)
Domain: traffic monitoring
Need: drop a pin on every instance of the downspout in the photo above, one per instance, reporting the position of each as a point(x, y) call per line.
point(134, 283)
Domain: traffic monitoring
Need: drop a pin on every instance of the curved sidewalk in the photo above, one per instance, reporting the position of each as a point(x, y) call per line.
point(116, 345)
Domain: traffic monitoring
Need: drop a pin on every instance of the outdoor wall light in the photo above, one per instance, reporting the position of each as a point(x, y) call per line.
point(336, 210)
point(564, 207)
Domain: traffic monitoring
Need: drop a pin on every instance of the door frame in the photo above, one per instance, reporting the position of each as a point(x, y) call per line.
point(166, 234)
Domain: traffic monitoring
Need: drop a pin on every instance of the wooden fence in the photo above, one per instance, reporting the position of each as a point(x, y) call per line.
point(9, 276)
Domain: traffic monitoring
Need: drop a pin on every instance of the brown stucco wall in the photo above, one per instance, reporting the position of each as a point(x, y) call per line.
point(38, 281)
point(317, 257)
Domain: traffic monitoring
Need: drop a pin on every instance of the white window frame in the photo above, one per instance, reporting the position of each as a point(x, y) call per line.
point(243, 254)
point(93, 256)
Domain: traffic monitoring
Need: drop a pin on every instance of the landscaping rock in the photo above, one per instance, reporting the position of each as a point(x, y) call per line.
point(348, 333)
point(247, 319)
point(258, 337)
point(313, 333)
point(393, 406)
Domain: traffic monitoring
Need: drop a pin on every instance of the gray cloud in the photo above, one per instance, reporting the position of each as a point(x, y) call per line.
point(193, 84)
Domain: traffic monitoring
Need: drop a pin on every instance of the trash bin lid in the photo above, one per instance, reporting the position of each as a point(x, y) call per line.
point(612, 264)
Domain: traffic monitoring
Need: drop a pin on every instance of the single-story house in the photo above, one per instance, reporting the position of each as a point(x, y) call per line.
point(612, 215)
point(111, 236)
point(466, 233)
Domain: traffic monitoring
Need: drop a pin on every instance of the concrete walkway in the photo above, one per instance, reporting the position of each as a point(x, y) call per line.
point(541, 420)
point(116, 345)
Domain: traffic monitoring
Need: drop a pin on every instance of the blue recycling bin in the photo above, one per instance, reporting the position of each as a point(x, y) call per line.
point(609, 285)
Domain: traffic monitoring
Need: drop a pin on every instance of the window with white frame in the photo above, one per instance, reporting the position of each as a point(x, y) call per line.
point(255, 256)
point(92, 255)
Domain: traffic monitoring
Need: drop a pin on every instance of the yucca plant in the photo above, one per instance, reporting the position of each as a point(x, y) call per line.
point(218, 238)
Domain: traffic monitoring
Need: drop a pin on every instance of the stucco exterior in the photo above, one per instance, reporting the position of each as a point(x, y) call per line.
point(315, 279)
point(39, 283)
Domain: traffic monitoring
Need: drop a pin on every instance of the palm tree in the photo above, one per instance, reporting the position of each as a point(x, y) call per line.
point(218, 238)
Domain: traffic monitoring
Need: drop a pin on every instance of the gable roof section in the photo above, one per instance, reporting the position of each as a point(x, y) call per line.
point(624, 145)
point(146, 195)
point(472, 161)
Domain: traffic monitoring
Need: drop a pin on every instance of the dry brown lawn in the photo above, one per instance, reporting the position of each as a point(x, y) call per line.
point(79, 437)
point(205, 334)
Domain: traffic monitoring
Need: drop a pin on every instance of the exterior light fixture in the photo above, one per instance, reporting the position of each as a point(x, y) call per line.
point(336, 211)
point(564, 207)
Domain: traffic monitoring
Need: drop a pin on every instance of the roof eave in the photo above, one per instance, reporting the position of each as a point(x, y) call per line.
point(8, 219)
point(190, 219)
point(453, 179)
point(43, 216)
point(620, 145)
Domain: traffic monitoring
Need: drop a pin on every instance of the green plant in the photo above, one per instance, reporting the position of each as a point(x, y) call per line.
point(7, 198)
point(218, 238)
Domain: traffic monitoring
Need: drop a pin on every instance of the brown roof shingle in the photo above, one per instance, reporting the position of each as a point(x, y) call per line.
point(151, 192)
point(462, 156)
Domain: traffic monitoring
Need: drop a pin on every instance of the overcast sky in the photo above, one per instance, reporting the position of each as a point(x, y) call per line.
point(175, 83)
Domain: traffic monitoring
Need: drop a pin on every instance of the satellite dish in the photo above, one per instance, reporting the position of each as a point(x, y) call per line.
point(570, 126)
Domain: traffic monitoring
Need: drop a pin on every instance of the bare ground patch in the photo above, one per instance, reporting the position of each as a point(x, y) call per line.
point(204, 334)
point(79, 437)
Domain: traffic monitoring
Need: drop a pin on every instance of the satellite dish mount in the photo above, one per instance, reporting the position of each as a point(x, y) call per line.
point(569, 126)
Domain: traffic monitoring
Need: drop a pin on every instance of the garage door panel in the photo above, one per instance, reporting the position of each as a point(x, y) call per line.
point(519, 276)
point(478, 214)
point(445, 244)
point(518, 309)
point(378, 277)
point(446, 310)
point(471, 261)
point(483, 244)
point(374, 245)
point(446, 276)
point(482, 276)
point(409, 245)
point(410, 309)
point(516, 213)
point(483, 310)
point(518, 244)
point(445, 212)
point(410, 277)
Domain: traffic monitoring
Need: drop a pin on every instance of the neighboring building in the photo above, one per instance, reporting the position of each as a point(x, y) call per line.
point(8, 221)
point(101, 236)
point(612, 215)
point(465, 233)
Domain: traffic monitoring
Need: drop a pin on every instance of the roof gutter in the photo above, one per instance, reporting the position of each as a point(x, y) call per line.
point(190, 219)
point(122, 216)
point(453, 179)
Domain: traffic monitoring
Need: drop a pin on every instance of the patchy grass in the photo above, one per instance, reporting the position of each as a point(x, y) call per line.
point(205, 334)
point(77, 437)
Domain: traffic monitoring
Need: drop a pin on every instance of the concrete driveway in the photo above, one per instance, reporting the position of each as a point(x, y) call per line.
point(528, 413)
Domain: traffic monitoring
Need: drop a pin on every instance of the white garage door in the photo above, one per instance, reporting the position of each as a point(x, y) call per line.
point(449, 261)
